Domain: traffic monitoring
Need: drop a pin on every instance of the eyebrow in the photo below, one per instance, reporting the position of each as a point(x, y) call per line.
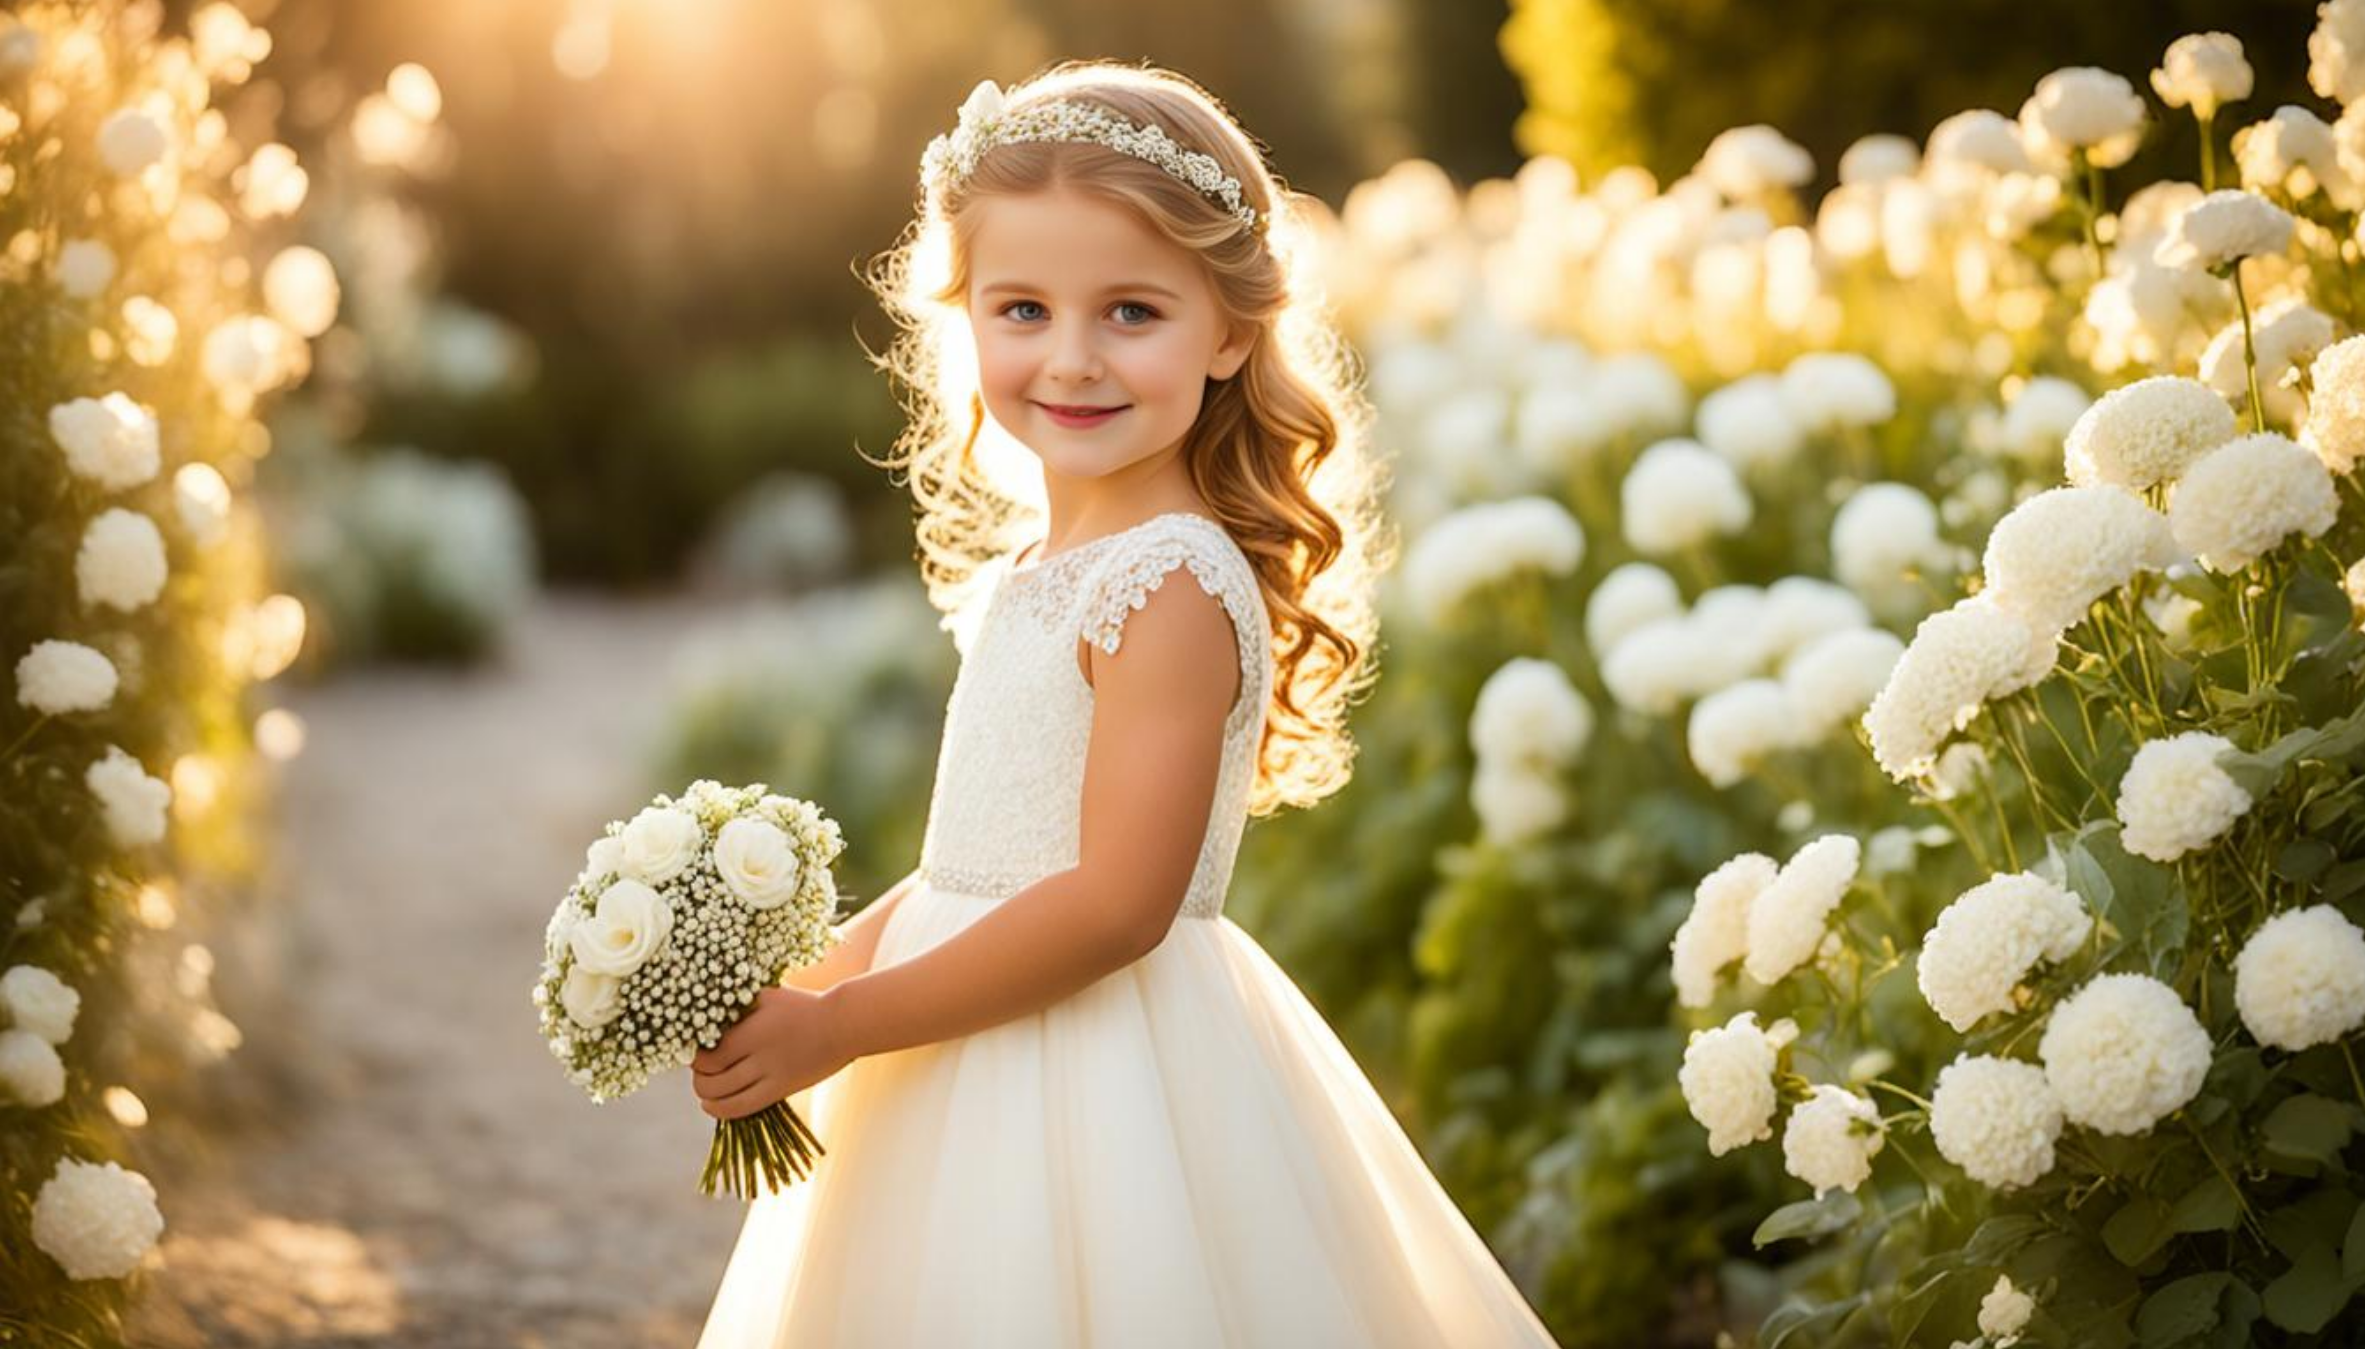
point(1127, 287)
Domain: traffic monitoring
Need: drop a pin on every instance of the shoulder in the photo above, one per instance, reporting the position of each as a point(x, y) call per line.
point(1223, 598)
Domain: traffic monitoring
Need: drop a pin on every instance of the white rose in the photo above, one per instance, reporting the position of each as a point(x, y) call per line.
point(1831, 1138)
point(40, 1002)
point(96, 1221)
point(2300, 979)
point(592, 1000)
point(132, 802)
point(121, 561)
point(757, 861)
point(659, 843)
point(30, 1069)
point(605, 856)
point(627, 927)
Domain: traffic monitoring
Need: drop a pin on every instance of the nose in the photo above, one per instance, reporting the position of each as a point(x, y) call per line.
point(1074, 358)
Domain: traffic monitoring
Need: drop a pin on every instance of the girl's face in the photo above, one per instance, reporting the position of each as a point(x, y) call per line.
point(1095, 336)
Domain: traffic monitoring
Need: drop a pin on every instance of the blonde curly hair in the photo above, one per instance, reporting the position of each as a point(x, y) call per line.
point(1279, 451)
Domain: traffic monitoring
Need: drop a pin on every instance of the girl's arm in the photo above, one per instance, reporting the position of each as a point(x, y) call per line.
point(858, 943)
point(1149, 783)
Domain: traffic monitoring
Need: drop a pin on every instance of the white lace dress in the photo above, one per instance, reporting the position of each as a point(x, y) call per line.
point(1181, 1154)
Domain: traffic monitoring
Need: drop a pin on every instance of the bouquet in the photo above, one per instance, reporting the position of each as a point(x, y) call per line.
point(681, 916)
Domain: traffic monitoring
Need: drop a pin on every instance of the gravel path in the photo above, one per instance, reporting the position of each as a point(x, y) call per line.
point(434, 1180)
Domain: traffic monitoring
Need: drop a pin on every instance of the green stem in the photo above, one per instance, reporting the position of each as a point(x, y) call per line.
point(2249, 350)
point(19, 743)
point(2208, 122)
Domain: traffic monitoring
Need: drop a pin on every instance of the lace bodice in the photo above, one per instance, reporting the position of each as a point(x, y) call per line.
point(1007, 806)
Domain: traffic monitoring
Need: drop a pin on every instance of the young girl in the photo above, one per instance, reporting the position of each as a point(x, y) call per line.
point(1065, 1101)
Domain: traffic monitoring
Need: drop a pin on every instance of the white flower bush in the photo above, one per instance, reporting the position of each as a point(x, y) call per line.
point(1959, 660)
point(2005, 1312)
point(112, 441)
point(31, 1073)
point(131, 802)
point(1831, 390)
point(121, 562)
point(1882, 534)
point(2041, 417)
point(57, 677)
point(2335, 426)
point(1529, 711)
point(2204, 72)
point(1831, 680)
point(1715, 935)
point(2061, 550)
point(37, 1001)
point(1631, 595)
point(1750, 161)
point(1831, 1139)
point(1750, 423)
point(2084, 108)
point(1482, 545)
point(2300, 979)
point(2223, 228)
point(2122, 1053)
point(1997, 1119)
point(1736, 726)
point(1989, 940)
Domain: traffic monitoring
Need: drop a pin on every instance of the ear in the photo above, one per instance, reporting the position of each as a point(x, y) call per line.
point(1233, 353)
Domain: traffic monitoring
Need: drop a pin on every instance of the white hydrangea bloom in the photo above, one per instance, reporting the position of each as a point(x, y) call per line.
point(31, 1073)
point(1727, 1080)
point(2147, 432)
point(132, 802)
point(2335, 427)
point(1997, 1119)
point(97, 1221)
point(1658, 665)
point(130, 140)
point(110, 441)
point(1797, 610)
point(40, 1002)
point(1959, 658)
point(1634, 593)
point(57, 677)
point(1736, 726)
point(1788, 917)
point(1750, 161)
point(1832, 679)
point(1826, 390)
point(2059, 551)
point(121, 560)
point(2083, 108)
point(2336, 51)
point(2300, 979)
point(1558, 426)
point(1831, 1139)
point(2223, 228)
point(2284, 336)
point(1750, 424)
point(2204, 72)
point(2144, 313)
point(2247, 496)
point(1678, 494)
point(2004, 1313)
point(1734, 627)
point(2175, 799)
point(1716, 933)
point(1529, 712)
point(2293, 151)
point(2124, 1052)
point(1879, 158)
point(1882, 532)
point(1515, 803)
point(1987, 941)
point(2040, 418)
point(84, 267)
point(1639, 395)
point(1486, 543)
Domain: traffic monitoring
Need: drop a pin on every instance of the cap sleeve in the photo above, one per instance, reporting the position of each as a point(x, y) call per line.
point(1184, 544)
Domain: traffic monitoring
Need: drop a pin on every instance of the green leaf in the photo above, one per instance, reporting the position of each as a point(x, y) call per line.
point(1790, 1319)
point(2211, 1206)
point(2352, 1248)
point(1809, 1218)
point(2181, 1310)
point(2309, 1293)
point(2343, 881)
point(2308, 1127)
point(2137, 1230)
point(2000, 1236)
point(2304, 859)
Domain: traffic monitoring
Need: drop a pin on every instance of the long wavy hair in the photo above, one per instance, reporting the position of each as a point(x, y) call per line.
point(1278, 452)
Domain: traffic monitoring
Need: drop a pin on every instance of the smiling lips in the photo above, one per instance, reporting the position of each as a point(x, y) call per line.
point(1081, 416)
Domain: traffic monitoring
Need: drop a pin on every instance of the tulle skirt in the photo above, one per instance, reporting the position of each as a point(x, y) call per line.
point(1181, 1154)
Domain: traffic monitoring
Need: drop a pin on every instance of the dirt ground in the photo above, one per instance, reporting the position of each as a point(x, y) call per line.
point(433, 1179)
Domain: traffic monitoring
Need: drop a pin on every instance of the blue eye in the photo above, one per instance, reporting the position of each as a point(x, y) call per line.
point(1016, 304)
point(1147, 312)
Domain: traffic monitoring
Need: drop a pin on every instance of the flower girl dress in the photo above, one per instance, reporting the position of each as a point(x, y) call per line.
point(1182, 1153)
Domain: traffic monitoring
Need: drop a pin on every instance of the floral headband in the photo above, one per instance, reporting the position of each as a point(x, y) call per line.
point(952, 157)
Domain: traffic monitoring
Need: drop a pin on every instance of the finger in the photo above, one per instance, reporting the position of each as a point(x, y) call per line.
point(721, 1058)
point(742, 1103)
point(738, 1077)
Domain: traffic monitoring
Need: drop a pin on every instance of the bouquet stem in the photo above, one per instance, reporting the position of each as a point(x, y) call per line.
point(770, 1147)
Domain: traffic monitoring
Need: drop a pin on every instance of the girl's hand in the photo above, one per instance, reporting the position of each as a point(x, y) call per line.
point(786, 1042)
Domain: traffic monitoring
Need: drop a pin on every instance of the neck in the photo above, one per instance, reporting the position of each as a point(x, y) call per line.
point(1088, 507)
